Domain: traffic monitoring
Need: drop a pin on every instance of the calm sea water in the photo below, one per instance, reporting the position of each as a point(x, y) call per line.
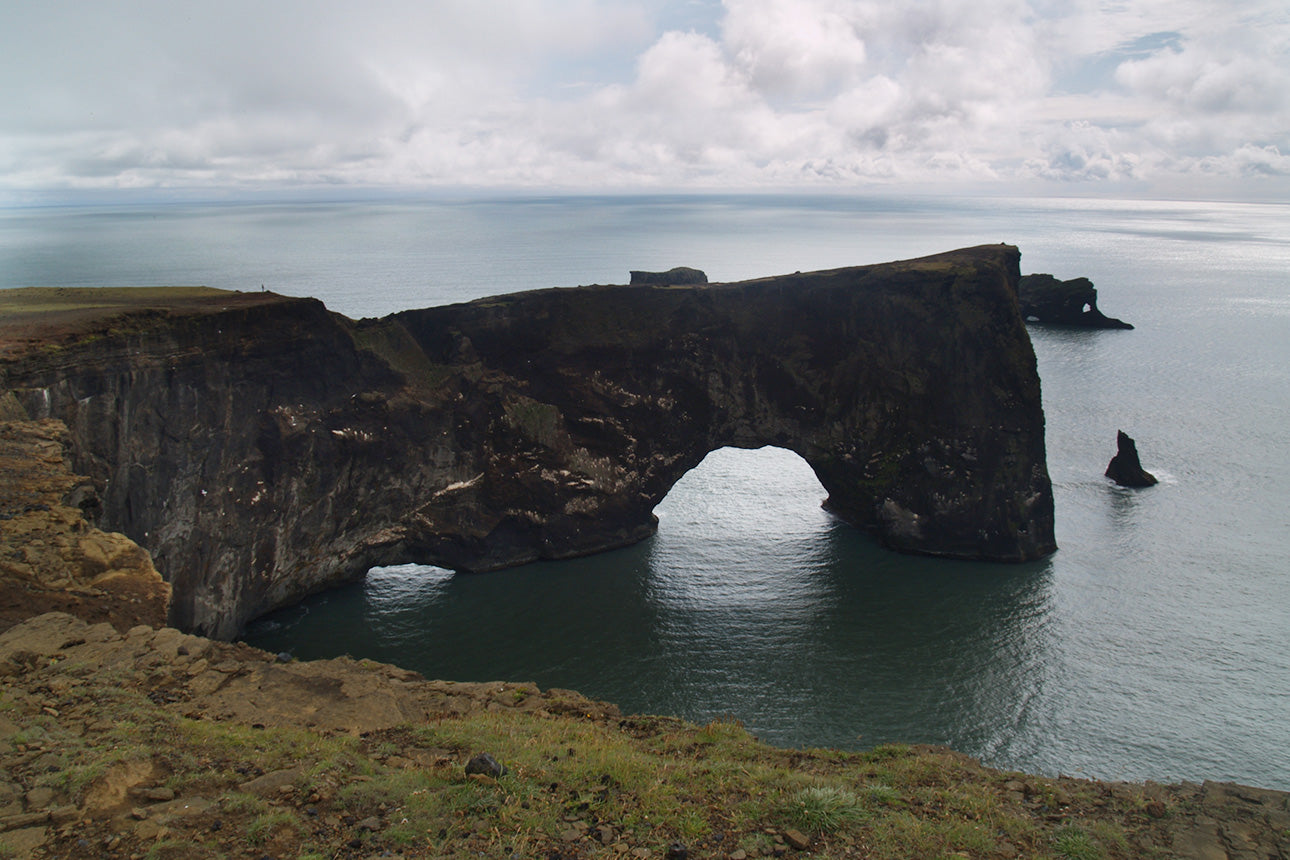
point(1155, 644)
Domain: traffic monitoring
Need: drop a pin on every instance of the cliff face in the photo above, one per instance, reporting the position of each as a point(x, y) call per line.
point(262, 448)
point(206, 426)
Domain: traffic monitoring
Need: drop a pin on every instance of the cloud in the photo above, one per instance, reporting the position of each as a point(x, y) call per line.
point(797, 48)
point(1082, 152)
point(601, 93)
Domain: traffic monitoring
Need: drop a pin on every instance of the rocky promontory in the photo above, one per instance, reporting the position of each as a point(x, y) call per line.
point(261, 447)
point(51, 556)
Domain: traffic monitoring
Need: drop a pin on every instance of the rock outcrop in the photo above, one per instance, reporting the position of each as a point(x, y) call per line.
point(51, 557)
point(262, 448)
point(1045, 299)
point(678, 275)
point(1125, 468)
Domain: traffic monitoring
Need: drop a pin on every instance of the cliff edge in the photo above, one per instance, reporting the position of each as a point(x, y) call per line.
point(51, 556)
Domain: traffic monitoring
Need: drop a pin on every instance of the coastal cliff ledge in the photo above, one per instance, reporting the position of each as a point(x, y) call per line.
point(262, 448)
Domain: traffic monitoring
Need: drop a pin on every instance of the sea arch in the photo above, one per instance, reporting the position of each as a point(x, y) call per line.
point(909, 388)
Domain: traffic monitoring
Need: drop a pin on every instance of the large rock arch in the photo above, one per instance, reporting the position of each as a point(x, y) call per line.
point(262, 448)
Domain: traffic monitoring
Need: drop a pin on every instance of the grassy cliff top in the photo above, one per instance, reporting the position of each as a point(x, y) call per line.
point(34, 316)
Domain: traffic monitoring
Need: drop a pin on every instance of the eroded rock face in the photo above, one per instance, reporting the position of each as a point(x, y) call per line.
point(265, 448)
point(1045, 299)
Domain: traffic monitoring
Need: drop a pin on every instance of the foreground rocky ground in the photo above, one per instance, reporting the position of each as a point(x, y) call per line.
point(156, 744)
point(121, 738)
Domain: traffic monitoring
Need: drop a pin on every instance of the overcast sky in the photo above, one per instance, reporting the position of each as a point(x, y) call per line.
point(1167, 97)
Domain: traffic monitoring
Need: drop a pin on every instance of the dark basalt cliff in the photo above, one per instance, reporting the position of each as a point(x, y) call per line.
point(262, 448)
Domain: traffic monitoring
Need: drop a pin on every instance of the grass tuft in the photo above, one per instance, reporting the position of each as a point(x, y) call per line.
point(264, 826)
point(1074, 843)
point(825, 809)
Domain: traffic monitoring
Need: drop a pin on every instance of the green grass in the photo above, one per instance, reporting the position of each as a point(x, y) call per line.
point(879, 794)
point(651, 780)
point(263, 826)
point(34, 300)
point(1074, 843)
point(241, 803)
point(825, 809)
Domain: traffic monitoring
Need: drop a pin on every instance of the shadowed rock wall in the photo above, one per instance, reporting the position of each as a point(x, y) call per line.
point(266, 449)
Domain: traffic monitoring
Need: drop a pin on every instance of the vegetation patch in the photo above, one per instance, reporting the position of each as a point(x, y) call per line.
point(117, 770)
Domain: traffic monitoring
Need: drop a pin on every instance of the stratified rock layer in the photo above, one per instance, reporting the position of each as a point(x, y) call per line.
point(262, 448)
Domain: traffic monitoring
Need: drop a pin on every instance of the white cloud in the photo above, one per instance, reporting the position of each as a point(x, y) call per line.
point(598, 93)
point(1209, 75)
point(800, 48)
point(1081, 152)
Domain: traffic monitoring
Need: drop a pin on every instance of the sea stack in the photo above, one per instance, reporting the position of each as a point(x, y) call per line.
point(1125, 468)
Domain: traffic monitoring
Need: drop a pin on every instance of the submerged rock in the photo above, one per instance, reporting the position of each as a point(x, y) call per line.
point(1045, 299)
point(1125, 468)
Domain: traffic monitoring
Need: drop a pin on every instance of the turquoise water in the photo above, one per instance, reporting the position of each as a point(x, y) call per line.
point(1155, 644)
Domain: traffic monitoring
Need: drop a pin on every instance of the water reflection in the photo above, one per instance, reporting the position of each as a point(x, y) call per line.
point(751, 601)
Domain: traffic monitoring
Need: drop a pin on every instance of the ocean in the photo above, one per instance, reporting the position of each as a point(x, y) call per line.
point(1155, 644)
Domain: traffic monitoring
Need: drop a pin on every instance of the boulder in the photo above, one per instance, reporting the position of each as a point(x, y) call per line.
point(485, 764)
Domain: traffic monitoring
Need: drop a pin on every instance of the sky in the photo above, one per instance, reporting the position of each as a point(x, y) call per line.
point(1154, 97)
